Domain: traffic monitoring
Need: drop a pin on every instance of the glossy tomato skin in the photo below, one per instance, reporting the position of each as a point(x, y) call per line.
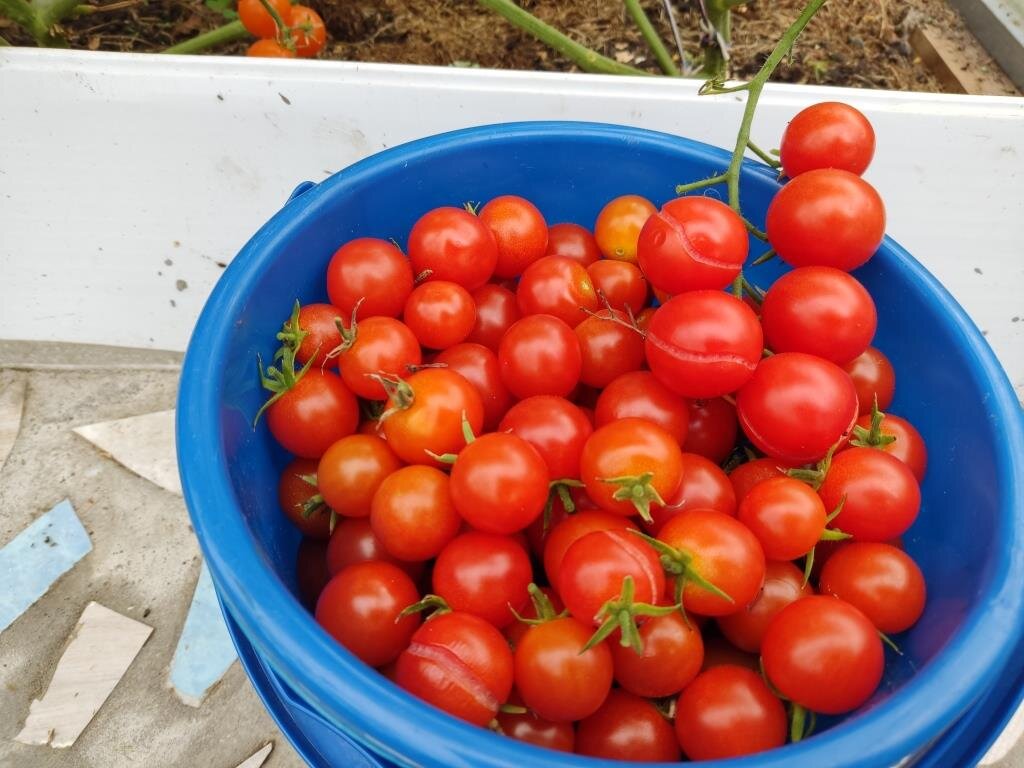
point(371, 270)
point(322, 335)
point(496, 312)
point(564, 534)
point(879, 579)
point(537, 731)
point(554, 285)
point(354, 541)
point(556, 678)
point(595, 565)
point(557, 428)
point(873, 376)
point(744, 477)
point(484, 574)
point(317, 411)
point(257, 20)
point(573, 242)
point(519, 230)
point(718, 651)
point(785, 515)
point(412, 514)
point(728, 711)
point(821, 311)
point(460, 664)
point(724, 552)
point(882, 494)
point(293, 492)
point(360, 606)
point(783, 584)
point(629, 448)
point(712, 429)
point(499, 483)
point(439, 313)
point(640, 395)
point(609, 348)
point(432, 421)
point(824, 654)
point(672, 656)
point(479, 366)
point(382, 346)
point(693, 243)
point(909, 447)
point(829, 134)
point(618, 226)
point(540, 355)
point(454, 245)
point(308, 30)
point(628, 728)
point(797, 406)
point(311, 571)
point(621, 283)
point(704, 344)
point(351, 470)
point(828, 218)
point(269, 49)
point(703, 486)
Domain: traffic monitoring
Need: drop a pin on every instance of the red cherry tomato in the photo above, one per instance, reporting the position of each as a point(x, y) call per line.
point(783, 584)
point(354, 541)
point(499, 483)
point(622, 284)
point(496, 311)
point(316, 412)
point(618, 226)
point(255, 17)
point(269, 49)
point(704, 343)
point(573, 242)
point(311, 570)
point(693, 243)
point(308, 30)
point(460, 664)
point(412, 513)
point(322, 335)
point(640, 395)
point(630, 466)
point(880, 580)
point(294, 495)
point(537, 731)
point(554, 285)
point(558, 679)
point(785, 515)
point(479, 366)
point(726, 712)
point(824, 654)
point(718, 652)
point(484, 574)
point(629, 728)
point(609, 348)
point(821, 311)
point(426, 415)
point(351, 470)
point(827, 135)
point(882, 495)
point(540, 355)
point(909, 447)
point(744, 477)
point(796, 407)
point(703, 486)
point(873, 377)
point(372, 270)
point(555, 427)
point(595, 565)
point(453, 245)
point(360, 609)
point(672, 657)
point(827, 218)
point(712, 429)
point(724, 552)
point(570, 530)
point(519, 230)
point(440, 313)
point(378, 346)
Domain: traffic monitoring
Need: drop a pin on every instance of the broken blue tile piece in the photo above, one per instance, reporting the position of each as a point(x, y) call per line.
point(34, 559)
point(204, 650)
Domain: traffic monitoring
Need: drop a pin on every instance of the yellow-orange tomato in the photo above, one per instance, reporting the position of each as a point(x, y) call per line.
point(618, 226)
point(270, 49)
point(308, 31)
point(258, 21)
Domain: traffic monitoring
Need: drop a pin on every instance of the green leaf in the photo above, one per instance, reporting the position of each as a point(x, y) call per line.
point(224, 7)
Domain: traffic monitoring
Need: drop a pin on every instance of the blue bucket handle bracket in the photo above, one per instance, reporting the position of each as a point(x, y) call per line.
point(302, 188)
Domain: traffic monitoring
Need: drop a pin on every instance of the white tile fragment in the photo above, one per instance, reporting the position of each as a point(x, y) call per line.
point(144, 444)
point(257, 758)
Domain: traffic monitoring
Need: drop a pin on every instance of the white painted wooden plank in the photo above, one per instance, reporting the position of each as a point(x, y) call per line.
point(144, 444)
point(257, 758)
point(101, 648)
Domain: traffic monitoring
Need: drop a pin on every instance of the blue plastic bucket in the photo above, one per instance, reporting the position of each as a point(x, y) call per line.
point(968, 540)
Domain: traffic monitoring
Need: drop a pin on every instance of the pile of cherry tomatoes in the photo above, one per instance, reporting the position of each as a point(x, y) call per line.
point(285, 31)
point(546, 503)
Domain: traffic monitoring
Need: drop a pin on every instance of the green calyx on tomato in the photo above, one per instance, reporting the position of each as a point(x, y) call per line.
point(829, 534)
point(278, 379)
point(801, 722)
point(436, 604)
point(399, 393)
point(638, 490)
point(620, 613)
point(315, 503)
point(815, 477)
point(541, 605)
point(678, 564)
point(467, 434)
point(560, 489)
point(348, 335)
point(872, 437)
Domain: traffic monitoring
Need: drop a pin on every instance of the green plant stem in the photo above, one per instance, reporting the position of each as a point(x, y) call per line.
point(228, 33)
point(282, 29)
point(654, 42)
point(24, 15)
point(767, 158)
point(3, 42)
point(716, 57)
point(583, 57)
